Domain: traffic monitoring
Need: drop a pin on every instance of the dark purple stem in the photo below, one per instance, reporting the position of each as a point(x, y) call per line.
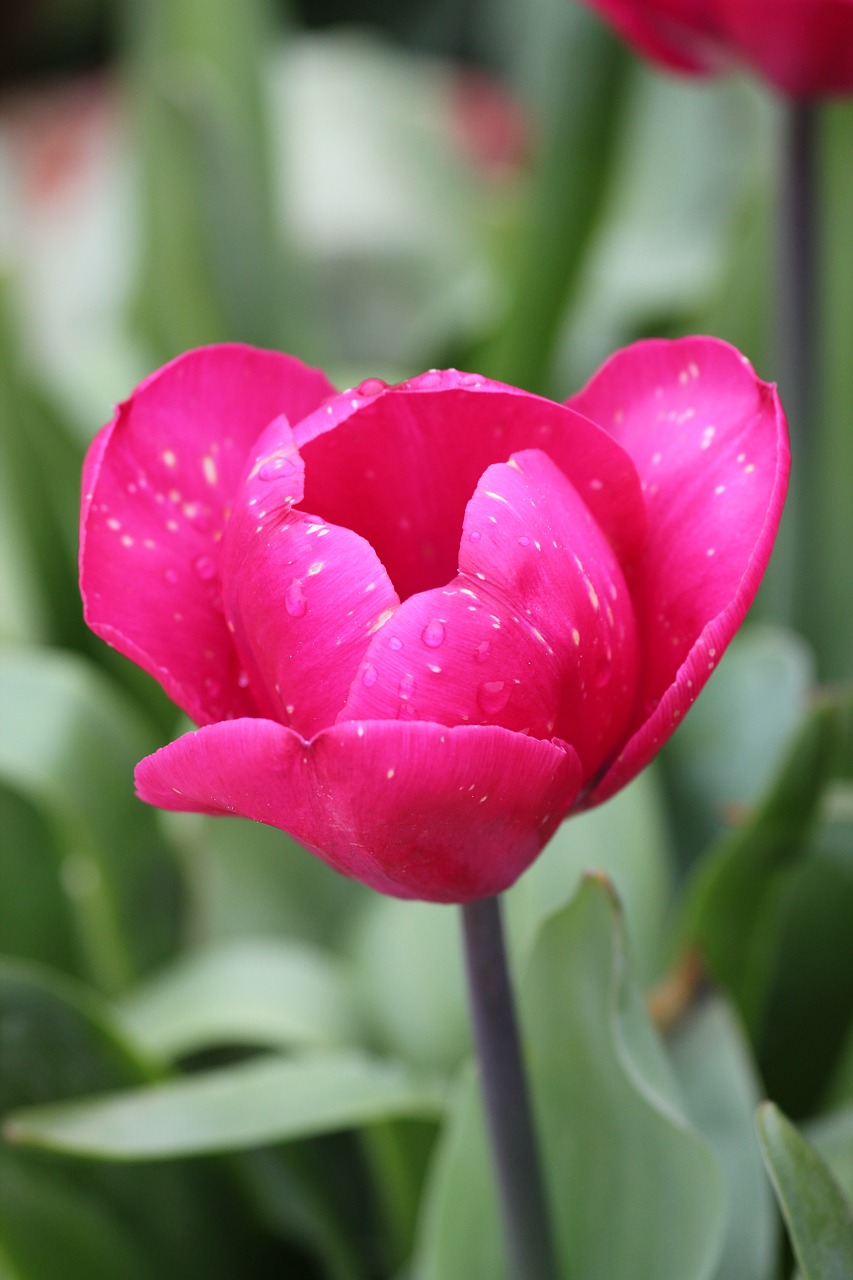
point(524, 1209)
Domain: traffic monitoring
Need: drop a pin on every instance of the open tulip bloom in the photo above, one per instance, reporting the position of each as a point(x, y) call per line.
point(803, 47)
point(420, 625)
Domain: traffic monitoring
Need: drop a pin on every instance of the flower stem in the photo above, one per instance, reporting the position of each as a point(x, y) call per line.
point(798, 337)
point(506, 1098)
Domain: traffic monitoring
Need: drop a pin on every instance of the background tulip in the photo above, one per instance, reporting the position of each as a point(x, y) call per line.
point(803, 47)
point(422, 623)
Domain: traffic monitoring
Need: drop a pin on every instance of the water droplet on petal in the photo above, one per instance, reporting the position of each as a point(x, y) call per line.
point(524, 541)
point(205, 567)
point(395, 643)
point(474, 535)
point(483, 651)
point(212, 687)
point(368, 675)
point(243, 680)
point(492, 696)
point(407, 685)
point(433, 634)
point(171, 576)
point(294, 599)
point(273, 468)
point(371, 387)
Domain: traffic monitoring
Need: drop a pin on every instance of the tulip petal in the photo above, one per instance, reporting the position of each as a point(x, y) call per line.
point(804, 47)
point(677, 35)
point(536, 632)
point(158, 482)
point(412, 809)
point(710, 443)
point(301, 597)
point(399, 465)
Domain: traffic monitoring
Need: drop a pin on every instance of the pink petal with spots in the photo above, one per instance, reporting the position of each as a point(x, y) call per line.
point(158, 482)
point(412, 809)
point(710, 443)
point(536, 632)
point(399, 465)
point(302, 597)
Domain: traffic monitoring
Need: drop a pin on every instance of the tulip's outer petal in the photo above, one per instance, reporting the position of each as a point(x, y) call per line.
point(412, 809)
point(710, 442)
point(675, 33)
point(398, 466)
point(302, 597)
point(536, 633)
point(158, 482)
point(804, 47)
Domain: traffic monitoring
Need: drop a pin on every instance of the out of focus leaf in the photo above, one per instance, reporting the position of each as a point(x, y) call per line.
point(818, 1216)
point(628, 840)
point(267, 1100)
point(34, 919)
point(211, 263)
point(725, 754)
point(579, 114)
point(832, 1137)
point(68, 744)
point(731, 913)
point(258, 992)
point(407, 964)
point(634, 1190)
point(721, 1091)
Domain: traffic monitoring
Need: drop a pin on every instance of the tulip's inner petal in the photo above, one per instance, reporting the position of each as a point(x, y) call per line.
point(805, 47)
point(710, 444)
point(302, 597)
point(535, 633)
point(398, 466)
point(414, 810)
point(157, 487)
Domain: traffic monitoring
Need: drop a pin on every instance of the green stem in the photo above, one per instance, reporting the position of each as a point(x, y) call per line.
point(524, 1208)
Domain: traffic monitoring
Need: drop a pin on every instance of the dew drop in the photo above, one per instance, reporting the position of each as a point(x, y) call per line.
point(395, 643)
point(492, 696)
point(433, 634)
point(474, 535)
point(212, 687)
point(368, 675)
point(524, 541)
point(272, 469)
point(243, 680)
point(407, 685)
point(171, 576)
point(371, 387)
point(294, 599)
point(483, 650)
point(205, 567)
point(406, 711)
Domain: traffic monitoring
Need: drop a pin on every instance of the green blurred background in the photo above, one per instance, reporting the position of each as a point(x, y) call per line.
point(380, 188)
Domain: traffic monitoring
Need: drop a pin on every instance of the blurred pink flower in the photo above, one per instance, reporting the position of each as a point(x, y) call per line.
point(420, 624)
point(803, 47)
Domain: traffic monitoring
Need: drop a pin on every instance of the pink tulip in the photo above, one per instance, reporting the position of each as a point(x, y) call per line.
point(803, 47)
point(421, 624)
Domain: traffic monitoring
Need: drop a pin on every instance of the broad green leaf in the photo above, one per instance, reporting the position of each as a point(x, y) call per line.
point(725, 755)
point(731, 908)
point(258, 992)
point(634, 1190)
point(832, 1136)
point(718, 1080)
point(68, 745)
point(34, 917)
point(263, 1101)
point(628, 840)
point(818, 1216)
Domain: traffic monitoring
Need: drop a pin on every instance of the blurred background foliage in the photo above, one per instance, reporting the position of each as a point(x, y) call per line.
point(381, 188)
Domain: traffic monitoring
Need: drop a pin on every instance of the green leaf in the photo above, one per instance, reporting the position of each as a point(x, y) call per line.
point(832, 1136)
point(818, 1217)
point(626, 839)
point(721, 1090)
point(726, 753)
point(68, 745)
point(259, 992)
point(634, 1190)
point(731, 907)
point(266, 1100)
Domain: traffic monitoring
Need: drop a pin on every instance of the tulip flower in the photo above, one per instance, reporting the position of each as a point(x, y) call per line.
point(803, 47)
point(419, 625)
